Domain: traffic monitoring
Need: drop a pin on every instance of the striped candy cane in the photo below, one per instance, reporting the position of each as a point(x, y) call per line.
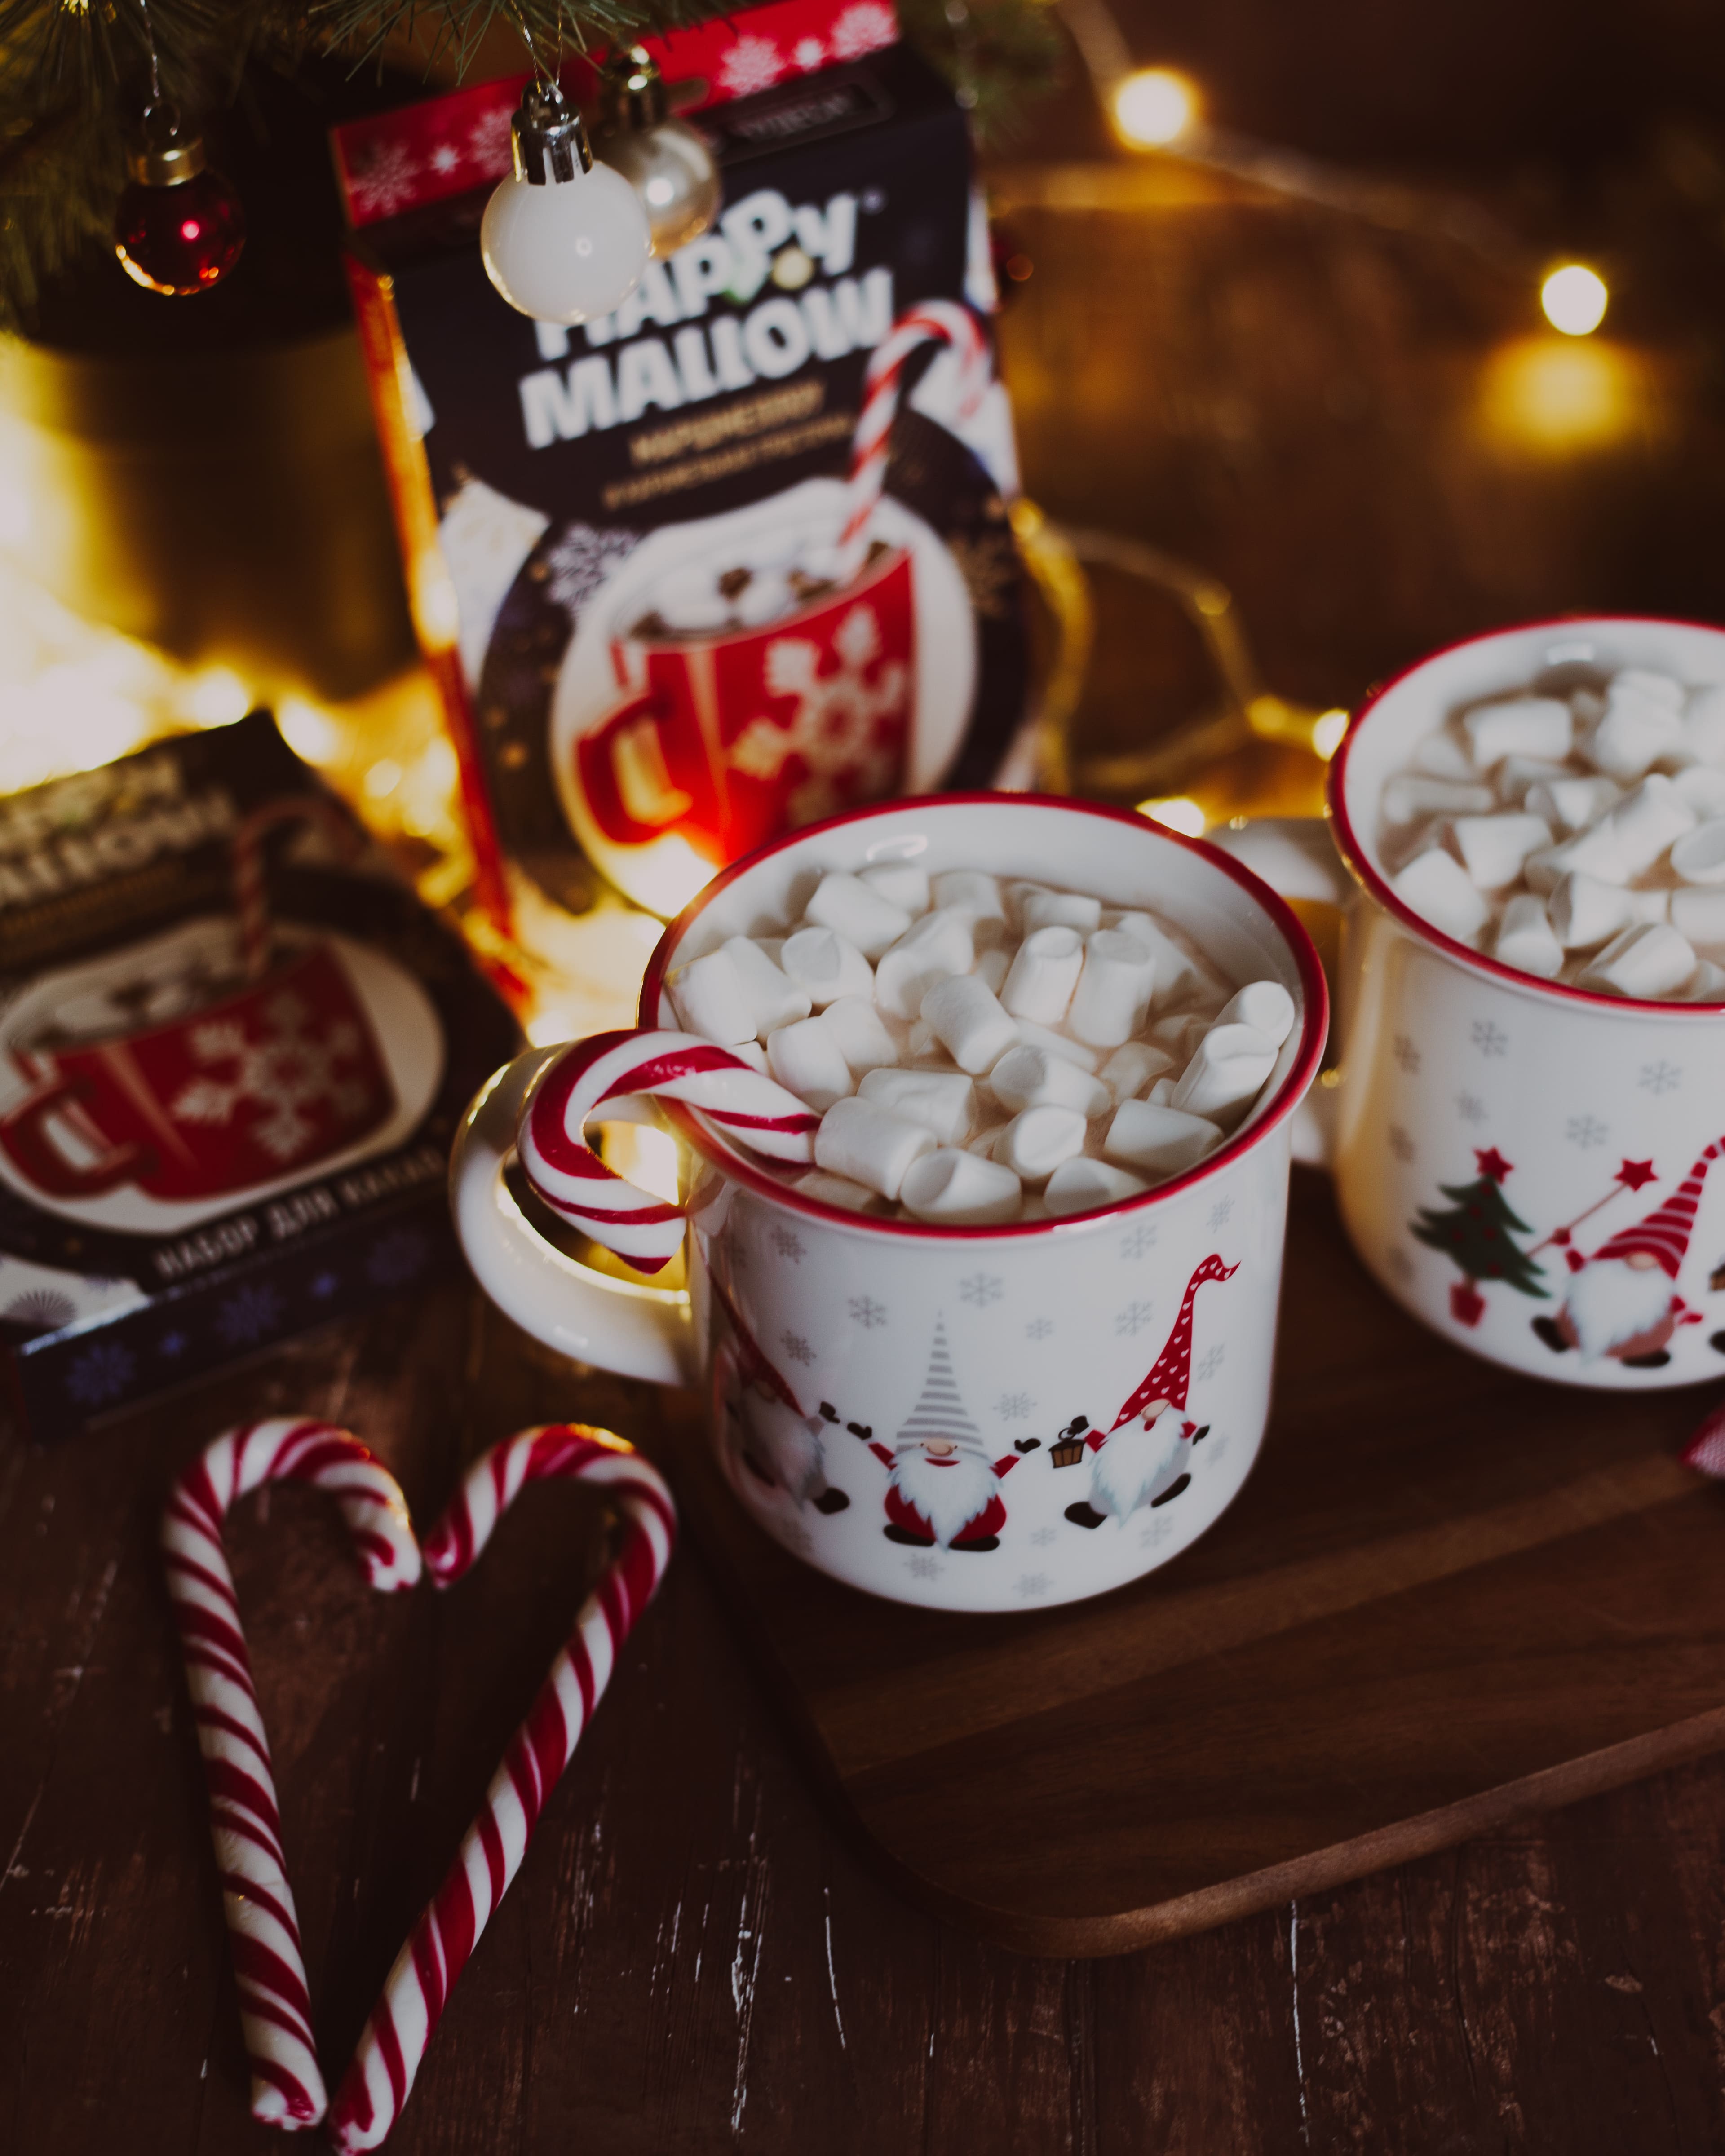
point(251, 896)
point(245, 1824)
point(571, 1178)
point(941, 321)
point(377, 2083)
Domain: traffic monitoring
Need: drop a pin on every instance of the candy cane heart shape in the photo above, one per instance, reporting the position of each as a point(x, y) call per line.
point(378, 2082)
point(742, 1103)
point(245, 1823)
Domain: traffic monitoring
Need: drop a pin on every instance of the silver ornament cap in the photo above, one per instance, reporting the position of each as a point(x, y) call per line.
point(549, 142)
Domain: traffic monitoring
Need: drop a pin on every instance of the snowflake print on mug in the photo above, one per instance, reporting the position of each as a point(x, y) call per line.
point(981, 1289)
point(868, 1313)
point(1660, 1077)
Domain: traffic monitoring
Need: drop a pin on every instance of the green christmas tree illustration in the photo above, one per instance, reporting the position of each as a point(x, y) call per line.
point(1477, 1232)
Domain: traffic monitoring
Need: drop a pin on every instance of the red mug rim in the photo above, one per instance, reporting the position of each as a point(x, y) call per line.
point(1371, 879)
point(1314, 989)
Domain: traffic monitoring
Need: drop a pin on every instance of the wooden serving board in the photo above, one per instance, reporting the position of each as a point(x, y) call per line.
point(1447, 1597)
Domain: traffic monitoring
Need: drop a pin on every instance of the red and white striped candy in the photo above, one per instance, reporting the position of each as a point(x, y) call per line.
point(245, 1824)
point(570, 1176)
point(251, 894)
point(943, 322)
point(377, 2083)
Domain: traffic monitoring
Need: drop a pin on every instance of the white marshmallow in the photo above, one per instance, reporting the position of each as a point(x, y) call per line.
point(1699, 855)
point(1647, 960)
point(1569, 803)
point(961, 1189)
point(1493, 847)
point(1517, 775)
point(1113, 998)
point(773, 997)
point(805, 1057)
point(1057, 1044)
point(1702, 788)
point(1525, 939)
point(899, 883)
point(1178, 974)
point(1059, 909)
point(1439, 890)
point(1633, 734)
point(926, 1050)
point(710, 999)
point(857, 911)
point(839, 1190)
point(1034, 1144)
point(967, 1017)
point(1441, 756)
point(751, 1053)
point(1078, 1184)
point(1591, 852)
point(943, 1101)
point(865, 1142)
point(983, 1141)
point(1644, 824)
point(1706, 984)
point(825, 965)
point(1656, 688)
point(1180, 1034)
point(1161, 1141)
point(1704, 723)
point(1518, 725)
point(1043, 975)
point(863, 1039)
point(991, 969)
point(1032, 1078)
point(1129, 1069)
point(1161, 1094)
point(1266, 1005)
point(940, 943)
point(970, 891)
point(1410, 795)
point(1226, 1075)
point(1699, 915)
point(1583, 912)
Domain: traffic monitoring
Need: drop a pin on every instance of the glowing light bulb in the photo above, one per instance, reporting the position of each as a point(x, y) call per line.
point(1154, 106)
point(1574, 299)
point(1179, 813)
point(564, 239)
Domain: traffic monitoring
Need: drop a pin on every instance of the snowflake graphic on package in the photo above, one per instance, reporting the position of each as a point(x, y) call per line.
point(173, 1345)
point(981, 1289)
point(579, 560)
point(1406, 1055)
point(250, 1314)
point(1586, 1132)
point(488, 140)
point(1660, 1077)
point(751, 63)
point(1013, 1407)
point(102, 1373)
point(398, 1258)
point(388, 181)
point(1039, 1328)
point(834, 727)
point(866, 27)
point(788, 1243)
point(796, 1348)
point(868, 1313)
point(1131, 1321)
point(1490, 1040)
point(325, 1285)
point(287, 1074)
point(809, 54)
point(1136, 1240)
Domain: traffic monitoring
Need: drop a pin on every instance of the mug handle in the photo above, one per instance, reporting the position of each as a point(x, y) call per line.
point(638, 1331)
point(1296, 856)
point(23, 1134)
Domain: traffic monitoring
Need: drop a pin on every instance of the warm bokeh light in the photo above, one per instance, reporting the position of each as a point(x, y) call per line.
point(218, 697)
point(1154, 107)
point(1327, 732)
point(1178, 813)
point(1551, 394)
point(1574, 299)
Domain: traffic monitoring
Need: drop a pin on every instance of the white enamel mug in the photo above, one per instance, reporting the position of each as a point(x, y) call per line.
point(1527, 1167)
point(965, 1418)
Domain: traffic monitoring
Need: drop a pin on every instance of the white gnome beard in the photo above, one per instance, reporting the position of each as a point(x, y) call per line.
point(949, 1498)
point(786, 1444)
point(1135, 1462)
point(1610, 1300)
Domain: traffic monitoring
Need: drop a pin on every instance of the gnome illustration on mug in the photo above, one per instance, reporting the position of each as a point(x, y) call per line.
point(943, 1487)
point(1622, 1302)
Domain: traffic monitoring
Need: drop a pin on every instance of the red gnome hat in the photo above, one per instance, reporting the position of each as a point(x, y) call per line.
point(1664, 1235)
point(1172, 1374)
point(757, 1368)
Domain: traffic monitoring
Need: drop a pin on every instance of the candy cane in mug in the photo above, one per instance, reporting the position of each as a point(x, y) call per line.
point(377, 2083)
point(938, 321)
point(245, 1822)
point(570, 1176)
point(251, 896)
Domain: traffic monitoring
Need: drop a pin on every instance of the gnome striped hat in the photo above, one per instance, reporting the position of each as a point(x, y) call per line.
point(1664, 1235)
point(940, 1412)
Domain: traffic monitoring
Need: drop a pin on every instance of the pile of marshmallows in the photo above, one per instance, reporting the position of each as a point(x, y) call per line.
point(1578, 838)
point(980, 1053)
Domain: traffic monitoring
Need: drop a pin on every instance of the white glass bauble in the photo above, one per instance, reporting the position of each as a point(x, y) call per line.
point(672, 170)
point(566, 251)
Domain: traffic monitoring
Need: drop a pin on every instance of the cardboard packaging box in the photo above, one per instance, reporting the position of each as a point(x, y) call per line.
point(622, 538)
point(234, 1049)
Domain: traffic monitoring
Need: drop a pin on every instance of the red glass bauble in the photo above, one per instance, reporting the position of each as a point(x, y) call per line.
point(181, 239)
